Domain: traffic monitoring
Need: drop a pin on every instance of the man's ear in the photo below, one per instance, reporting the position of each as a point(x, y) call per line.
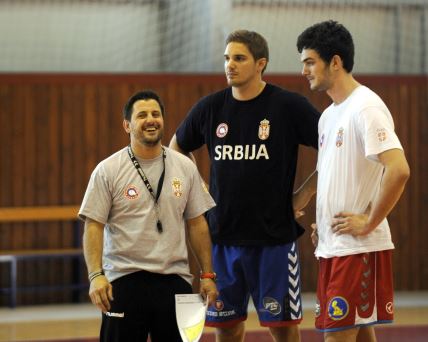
point(336, 63)
point(126, 125)
point(261, 63)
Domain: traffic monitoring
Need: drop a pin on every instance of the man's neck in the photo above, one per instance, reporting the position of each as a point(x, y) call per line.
point(248, 91)
point(342, 88)
point(144, 151)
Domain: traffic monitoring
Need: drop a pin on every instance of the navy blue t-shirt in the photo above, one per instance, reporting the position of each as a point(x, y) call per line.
point(253, 148)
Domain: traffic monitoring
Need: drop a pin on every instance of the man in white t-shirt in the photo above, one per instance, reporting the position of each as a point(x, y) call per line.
point(362, 171)
point(136, 208)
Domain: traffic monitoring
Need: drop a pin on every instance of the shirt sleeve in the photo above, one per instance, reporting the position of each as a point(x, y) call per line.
point(97, 201)
point(190, 134)
point(306, 118)
point(377, 132)
point(200, 199)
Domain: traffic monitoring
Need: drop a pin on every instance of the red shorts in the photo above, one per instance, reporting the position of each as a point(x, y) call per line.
point(354, 290)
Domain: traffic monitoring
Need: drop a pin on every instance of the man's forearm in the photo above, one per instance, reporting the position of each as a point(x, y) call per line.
point(200, 242)
point(393, 182)
point(304, 194)
point(93, 245)
point(309, 186)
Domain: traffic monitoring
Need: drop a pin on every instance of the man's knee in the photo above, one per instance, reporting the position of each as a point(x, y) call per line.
point(341, 336)
point(232, 333)
point(287, 333)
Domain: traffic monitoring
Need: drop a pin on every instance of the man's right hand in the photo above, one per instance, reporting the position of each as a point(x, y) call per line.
point(101, 293)
point(314, 234)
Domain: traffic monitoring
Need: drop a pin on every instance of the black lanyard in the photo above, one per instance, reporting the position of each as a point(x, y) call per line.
point(148, 186)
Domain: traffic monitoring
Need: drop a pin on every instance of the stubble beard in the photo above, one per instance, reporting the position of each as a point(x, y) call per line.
point(152, 141)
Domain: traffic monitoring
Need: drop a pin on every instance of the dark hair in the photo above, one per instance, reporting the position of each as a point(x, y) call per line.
point(255, 43)
point(141, 95)
point(329, 38)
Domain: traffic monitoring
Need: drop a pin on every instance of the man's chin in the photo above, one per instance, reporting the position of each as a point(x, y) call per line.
point(152, 141)
point(315, 87)
point(232, 82)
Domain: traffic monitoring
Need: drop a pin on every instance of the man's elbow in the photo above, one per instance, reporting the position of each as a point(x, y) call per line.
point(403, 173)
point(406, 173)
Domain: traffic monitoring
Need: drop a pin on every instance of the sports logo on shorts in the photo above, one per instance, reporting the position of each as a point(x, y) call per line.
point(322, 140)
point(338, 308)
point(115, 314)
point(272, 305)
point(222, 130)
point(317, 308)
point(219, 305)
point(264, 129)
point(339, 137)
point(176, 187)
point(389, 307)
point(131, 192)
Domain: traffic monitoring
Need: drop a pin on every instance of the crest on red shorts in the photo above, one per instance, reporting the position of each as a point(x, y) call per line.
point(338, 308)
point(389, 308)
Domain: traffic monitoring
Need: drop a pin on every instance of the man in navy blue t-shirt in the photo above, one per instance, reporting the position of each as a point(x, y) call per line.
point(252, 131)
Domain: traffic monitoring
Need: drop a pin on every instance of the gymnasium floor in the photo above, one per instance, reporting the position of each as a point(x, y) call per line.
point(80, 323)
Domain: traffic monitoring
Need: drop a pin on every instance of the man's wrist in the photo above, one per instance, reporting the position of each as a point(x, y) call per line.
point(208, 275)
point(95, 274)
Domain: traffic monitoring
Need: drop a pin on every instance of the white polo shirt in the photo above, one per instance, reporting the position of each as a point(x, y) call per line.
point(117, 197)
point(351, 135)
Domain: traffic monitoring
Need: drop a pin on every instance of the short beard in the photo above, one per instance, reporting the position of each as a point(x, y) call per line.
point(150, 142)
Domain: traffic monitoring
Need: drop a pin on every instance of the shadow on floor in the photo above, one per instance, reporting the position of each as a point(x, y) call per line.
point(417, 333)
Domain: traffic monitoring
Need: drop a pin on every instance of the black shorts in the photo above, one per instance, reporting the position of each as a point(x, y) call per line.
point(144, 304)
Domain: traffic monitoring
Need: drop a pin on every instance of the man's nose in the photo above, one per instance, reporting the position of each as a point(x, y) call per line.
point(304, 71)
point(230, 64)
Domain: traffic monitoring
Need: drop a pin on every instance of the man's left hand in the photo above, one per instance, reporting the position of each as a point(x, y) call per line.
point(300, 201)
point(208, 289)
point(350, 223)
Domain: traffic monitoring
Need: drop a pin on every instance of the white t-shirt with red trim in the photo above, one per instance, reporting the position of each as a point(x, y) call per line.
point(351, 135)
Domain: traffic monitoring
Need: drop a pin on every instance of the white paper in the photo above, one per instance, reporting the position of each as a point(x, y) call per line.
point(190, 313)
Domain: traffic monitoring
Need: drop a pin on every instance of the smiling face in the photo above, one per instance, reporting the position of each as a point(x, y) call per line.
point(316, 70)
point(146, 126)
point(240, 67)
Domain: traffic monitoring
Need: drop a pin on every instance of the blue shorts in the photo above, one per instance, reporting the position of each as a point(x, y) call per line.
point(270, 274)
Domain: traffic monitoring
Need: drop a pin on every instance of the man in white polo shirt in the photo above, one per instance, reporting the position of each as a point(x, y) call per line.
point(362, 171)
point(137, 207)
